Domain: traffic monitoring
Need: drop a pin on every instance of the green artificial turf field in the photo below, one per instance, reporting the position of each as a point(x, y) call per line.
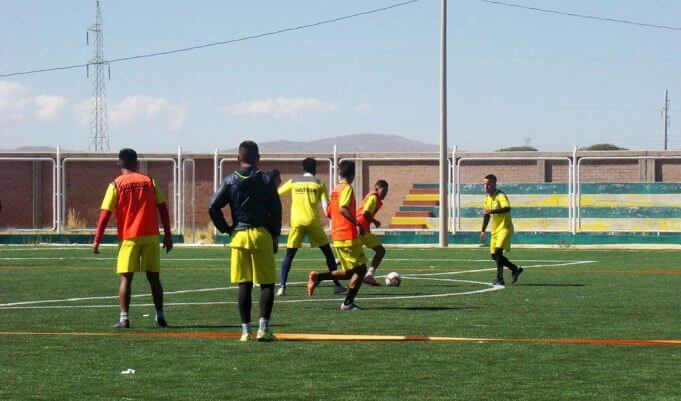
point(526, 341)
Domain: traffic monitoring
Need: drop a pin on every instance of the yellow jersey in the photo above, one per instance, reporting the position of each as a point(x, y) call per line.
point(501, 221)
point(307, 192)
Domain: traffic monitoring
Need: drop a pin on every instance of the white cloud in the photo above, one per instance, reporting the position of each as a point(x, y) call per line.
point(365, 108)
point(16, 102)
point(48, 107)
point(138, 108)
point(291, 108)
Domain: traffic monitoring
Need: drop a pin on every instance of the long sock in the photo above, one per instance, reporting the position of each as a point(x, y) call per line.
point(264, 324)
point(266, 300)
point(497, 255)
point(246, 328)
point(509, 264)
point(352, 293)
point(286, 265)
point(244, 300)
point(159, 314)
point(371, 271)
point(124, 317)
point(330, 260)
point(324, 276)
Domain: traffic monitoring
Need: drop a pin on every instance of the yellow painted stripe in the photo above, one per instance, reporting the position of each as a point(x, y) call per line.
point(630, 200)
point(409, 220)
point(532, 200)
point(630, 224)
point(550, 224)
point(422, 197)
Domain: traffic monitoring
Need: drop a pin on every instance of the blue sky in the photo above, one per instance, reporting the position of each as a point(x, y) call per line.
point(513, 74)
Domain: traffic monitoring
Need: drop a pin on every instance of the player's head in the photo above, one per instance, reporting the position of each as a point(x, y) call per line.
point(310, 165)
point(276, 177)
point(248, 153)
point(490, 183)
point(127, 159)
point(346, 169)
point(381, 187)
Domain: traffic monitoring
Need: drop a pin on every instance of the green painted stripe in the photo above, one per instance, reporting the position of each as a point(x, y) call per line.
point(631, 188)
point(524, 188)
point(522, 212)
point(565, 239)
point(421, 185)
point(409, 208)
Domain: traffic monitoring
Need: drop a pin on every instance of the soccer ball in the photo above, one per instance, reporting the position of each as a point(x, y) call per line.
point(393, 279)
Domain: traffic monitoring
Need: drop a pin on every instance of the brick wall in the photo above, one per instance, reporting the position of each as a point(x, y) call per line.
point(86, 182)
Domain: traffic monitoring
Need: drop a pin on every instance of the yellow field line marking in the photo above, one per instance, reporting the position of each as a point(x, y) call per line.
point(357, 337)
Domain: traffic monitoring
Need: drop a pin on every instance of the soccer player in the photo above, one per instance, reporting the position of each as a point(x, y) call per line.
point(366, 215)
point(344, 226)
point(497, 207)
point(135, 199)
point(256, 225)
point(307, 192)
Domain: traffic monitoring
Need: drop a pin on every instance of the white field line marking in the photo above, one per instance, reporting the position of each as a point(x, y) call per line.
point(581, 262)
point(490, 289)
point(18, 305)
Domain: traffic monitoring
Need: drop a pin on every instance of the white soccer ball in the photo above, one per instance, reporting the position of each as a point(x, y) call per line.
point(393, 279)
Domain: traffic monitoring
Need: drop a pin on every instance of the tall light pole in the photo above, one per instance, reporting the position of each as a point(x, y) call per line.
point(444, 167)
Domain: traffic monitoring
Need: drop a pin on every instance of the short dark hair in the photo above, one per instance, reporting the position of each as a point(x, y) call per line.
point(381, 184)
point(275, 174)
point(346, 168)
point(128, 158)
point(491, 177)
point(248, 152)
point(310, 165)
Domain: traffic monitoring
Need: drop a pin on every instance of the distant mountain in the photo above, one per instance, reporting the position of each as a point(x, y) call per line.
point(357, 143)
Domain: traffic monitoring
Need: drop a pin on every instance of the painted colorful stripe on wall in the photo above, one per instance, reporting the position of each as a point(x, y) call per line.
point(545, 207)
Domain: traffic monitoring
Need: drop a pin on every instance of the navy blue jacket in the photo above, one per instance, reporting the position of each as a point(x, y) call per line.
point(253, 200)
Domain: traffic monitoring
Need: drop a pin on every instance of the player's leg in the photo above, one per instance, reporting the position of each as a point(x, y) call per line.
point(294, 241)
point(264, 274)
point(355, 284)
point(127, 262)
point(242, 274)
point(505, 245)
point(370, 241)
point(124, 285)
point(497, 255)
point(331, 265)
point(285, 269)
point(151, 263)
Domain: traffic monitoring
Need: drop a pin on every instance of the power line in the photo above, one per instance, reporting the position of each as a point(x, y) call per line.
point(584, 16)
point(224, 42)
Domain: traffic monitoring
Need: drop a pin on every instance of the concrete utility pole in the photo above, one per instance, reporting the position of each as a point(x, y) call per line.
point(444, 166)
point(665, 115)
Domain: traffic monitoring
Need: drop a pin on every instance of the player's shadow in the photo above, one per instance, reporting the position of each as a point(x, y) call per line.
point(204, 326)
point(549, 285)
point(426, 308)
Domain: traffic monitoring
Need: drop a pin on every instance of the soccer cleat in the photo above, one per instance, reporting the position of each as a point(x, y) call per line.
point(281, 292)
point(371, 280)
point(312, 283)
point(340, 289)
point(498, 282)
point(161, 322)
point(351, 307)
point(265, 335)
point(246, 337)
point(516, 274)
point(122, 325)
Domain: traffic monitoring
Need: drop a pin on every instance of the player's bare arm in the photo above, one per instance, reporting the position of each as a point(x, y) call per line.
point(346, 213)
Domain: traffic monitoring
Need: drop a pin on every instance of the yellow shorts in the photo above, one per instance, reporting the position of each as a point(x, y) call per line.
point(501, 240)
point(369, 240)
point(351, 255)
point(315, 233)
point(139, 254)
point(252, 257)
